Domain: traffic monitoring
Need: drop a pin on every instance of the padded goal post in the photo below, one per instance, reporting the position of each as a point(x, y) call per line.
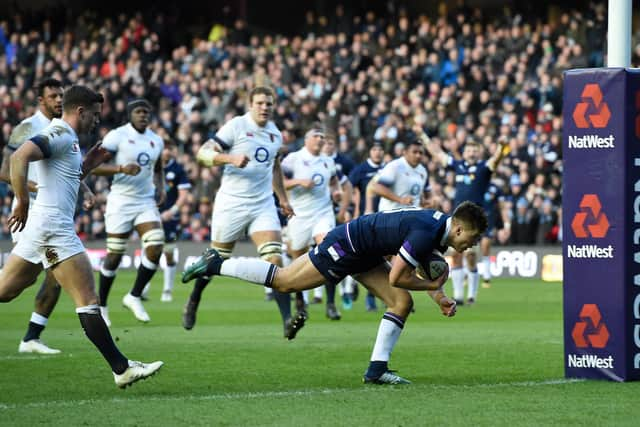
point(601, 223)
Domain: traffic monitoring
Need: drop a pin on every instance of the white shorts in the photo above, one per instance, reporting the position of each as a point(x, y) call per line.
point(233, 216)
point(302, 230)
point(48, 241)
point(123, 215)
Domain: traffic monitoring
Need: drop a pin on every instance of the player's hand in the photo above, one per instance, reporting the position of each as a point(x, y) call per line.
point(448, 307)
point(130, 169)
point(336, 196)
point(32, 187)
point(286, 208)
point(18, 217)
point(306, 183)
point(239, 160)
point(89, 200)
point(406, 200)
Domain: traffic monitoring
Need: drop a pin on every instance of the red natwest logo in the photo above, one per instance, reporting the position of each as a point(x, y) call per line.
point(590, 221)
point(592, 111)
point(590, 331)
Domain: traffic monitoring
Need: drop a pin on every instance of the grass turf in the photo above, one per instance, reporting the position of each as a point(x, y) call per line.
point(496, 363)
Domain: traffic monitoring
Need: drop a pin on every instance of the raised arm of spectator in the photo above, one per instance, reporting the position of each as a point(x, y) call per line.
point(501, 151)
point(432, 148)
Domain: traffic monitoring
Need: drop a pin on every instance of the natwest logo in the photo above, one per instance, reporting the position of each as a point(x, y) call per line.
point(592, 111)
point(590, 331)
point(590, 221)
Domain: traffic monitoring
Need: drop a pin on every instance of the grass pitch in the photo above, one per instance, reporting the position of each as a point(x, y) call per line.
point(496, 363)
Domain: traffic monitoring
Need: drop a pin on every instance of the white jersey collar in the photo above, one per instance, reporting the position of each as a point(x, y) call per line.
point(373, 164)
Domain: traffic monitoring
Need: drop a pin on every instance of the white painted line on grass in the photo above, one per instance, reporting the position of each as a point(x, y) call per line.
point(268, 394)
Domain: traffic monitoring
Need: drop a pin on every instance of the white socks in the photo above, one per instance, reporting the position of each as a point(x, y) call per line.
point(486, 268)
point(474, 281)
point(169, 278)
point(388, 333)
point(39, 319)
point(457, 277)
point(252, 270)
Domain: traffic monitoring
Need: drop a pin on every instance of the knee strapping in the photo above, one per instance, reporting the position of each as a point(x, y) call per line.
point(270, 249)
point(154, 237)
point(224, 253)
point(116, 245)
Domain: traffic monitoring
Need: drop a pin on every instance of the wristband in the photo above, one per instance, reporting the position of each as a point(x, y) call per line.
point(174, 209)
point(206, 155)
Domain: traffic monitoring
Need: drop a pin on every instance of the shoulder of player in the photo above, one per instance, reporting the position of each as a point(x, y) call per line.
point(21, 133)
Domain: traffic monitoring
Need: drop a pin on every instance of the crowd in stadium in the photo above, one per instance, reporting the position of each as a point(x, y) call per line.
point(367, 78)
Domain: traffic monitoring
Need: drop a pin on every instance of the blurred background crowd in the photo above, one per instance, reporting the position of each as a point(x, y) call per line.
point(464, 73)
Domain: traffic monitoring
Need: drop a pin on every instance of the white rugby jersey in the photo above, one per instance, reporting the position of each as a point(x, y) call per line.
point(131, 146)
point(59, 172)
point(26, 129)
point(320, 169)
point(242, 135)
point(403, 180)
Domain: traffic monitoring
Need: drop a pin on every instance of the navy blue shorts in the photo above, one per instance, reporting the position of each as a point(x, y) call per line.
point(335, 258)
point(171, 229)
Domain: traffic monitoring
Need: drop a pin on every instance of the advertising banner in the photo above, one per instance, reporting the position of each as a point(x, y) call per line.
point(599, 150)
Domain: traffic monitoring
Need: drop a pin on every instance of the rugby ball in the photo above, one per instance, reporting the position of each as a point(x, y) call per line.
point(436, 267)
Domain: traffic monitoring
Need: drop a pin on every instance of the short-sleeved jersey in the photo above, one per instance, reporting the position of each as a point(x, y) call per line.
point(403, 180)
point(472, 181)
point(320, 169)
point(411, 233)
point(26, 129)
point(344, 164)
point(360, 177)
point(131, 146)
point(175, 179)
point(59, 172)
point(242, 135)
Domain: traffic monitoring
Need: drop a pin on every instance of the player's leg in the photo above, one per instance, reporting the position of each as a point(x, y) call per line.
point(190, 309)
point(485, 248)
point(76, 276)
point(17, 274)
point(457, 277)
point(46, 300)
point(228, 224)
point(474, 277)
point(152, 239)
point(322, 226)
point(169, 273)
point(270, 250)
point(118, 221)
point(399, 304)
point(116, 247)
